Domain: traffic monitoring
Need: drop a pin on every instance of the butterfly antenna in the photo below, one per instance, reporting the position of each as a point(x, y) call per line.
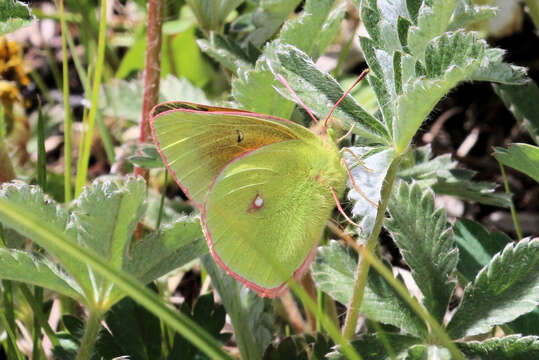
point(339, 207)
point(360, 77)
point(357, 188)
point(359, 162)
point(298, 100)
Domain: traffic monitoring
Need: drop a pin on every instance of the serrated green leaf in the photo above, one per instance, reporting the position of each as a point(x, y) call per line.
point(249, 313)
point(379, 346)
point(449, 60)
point(523, 102)
point(432, 21)
point(476, 246)
point(314, 28)
point(32, 199)
point(370, 15)
point(413, 9)
point(13, 15)
point(319, 91)
point(131, 331)
point(300, 347)
point(403, 25)
point(511, 347)
point(523, 157)
point(167, 249)
point(368, 48)
point(442, 175)
point(495, 70)
point(208, 315)
point(253, 89)
point(503, 290)
point(369, 177)
point(267, 19)
point(148, 159)
point(427, 352)
point(35, 269)
point(123, 99)
point(105, 217)
point(467, 14)
point(226, 52)
point(424, 238)
point(211, 14)
point(333, 272)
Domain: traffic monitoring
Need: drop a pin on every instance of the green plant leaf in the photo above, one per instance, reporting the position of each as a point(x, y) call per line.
point(211, 14)
point(13, 15)
point(449, 59)
point(148, 159)
point(467, 14)
point(48, 236)
point(211, 317)
point(314, 29)
point(254, 88)
point(497, 71)
point(432, 21)
point(105, 217)
point(123, 99)
point(265, 20)
point(502, 291)
point(442, 175)
point(369, 177)
point(333, 272)
point(319, 91)
point(512, 347)
point(166, 249)
point(35, 269)
point(32, 200)
point(427, 352)
point(379, 346)
point(523, 157)
point(523, 102)
point(476, 246)
point(226, 52)
point(425, 240)
point(300, 347)
point(252, 321)
point(131, 331)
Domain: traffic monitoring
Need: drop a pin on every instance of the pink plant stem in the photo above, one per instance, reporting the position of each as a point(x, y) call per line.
point(152, 72)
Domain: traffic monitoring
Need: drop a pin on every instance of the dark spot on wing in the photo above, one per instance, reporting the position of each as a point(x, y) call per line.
point(240, 136)
point(256, 204)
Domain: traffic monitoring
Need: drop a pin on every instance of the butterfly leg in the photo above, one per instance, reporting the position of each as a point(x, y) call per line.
point(356, 187)
point(339, 207)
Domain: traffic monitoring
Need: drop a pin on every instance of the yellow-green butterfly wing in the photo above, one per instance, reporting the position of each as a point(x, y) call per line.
point(262, 185)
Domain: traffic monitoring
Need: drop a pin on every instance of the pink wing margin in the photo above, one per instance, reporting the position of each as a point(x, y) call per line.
point(191, 108)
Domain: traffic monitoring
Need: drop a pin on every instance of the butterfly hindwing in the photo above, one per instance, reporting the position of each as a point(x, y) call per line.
point(269, 208)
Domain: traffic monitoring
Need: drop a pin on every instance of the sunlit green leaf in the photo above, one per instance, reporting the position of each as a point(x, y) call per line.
point(425, 240)
point(502, 291)
point(13, 15)
point(523, 157)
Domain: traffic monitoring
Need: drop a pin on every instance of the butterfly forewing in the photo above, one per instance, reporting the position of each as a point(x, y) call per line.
point(197, 145)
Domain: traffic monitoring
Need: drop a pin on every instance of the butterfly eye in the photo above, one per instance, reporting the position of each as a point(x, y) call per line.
point(240, 136)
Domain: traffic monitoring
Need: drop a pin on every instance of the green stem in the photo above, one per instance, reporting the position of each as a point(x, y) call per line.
point(36, 331)
point(363, 266)
point(162, 202)
point(513, 209)
point(82, 171)
point(533, 9)
point(90, 335)
point(67, 109)
point(441, 336)
point(38, 313)
point(41, 154)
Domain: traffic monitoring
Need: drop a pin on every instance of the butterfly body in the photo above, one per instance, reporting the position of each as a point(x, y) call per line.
point(262, 185)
